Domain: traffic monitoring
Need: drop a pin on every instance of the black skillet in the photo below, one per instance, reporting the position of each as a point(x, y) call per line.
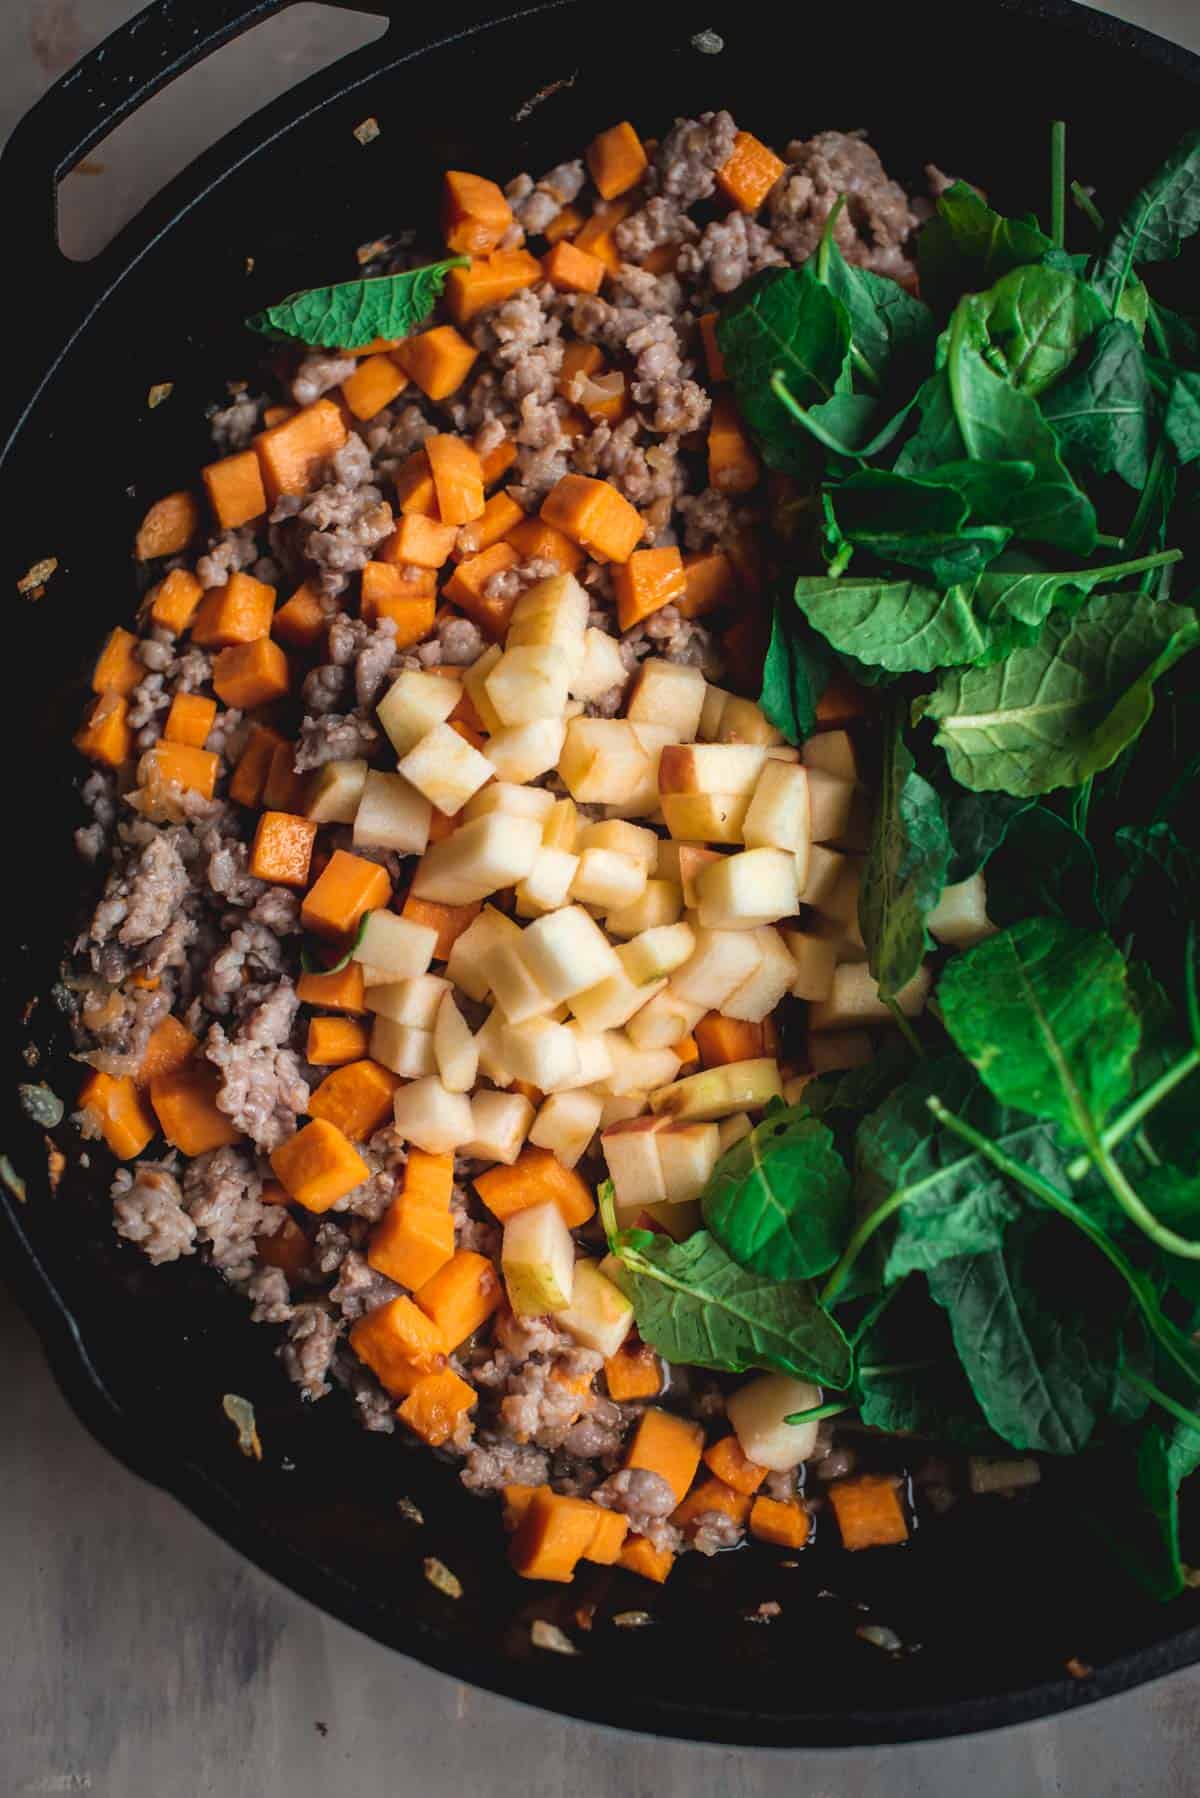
point(996, 1599)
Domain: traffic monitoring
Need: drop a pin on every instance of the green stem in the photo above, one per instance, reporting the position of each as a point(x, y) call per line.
point(864, 367)
point(904, 1026)
point(1160, 1398)
point(1083, 806)
point(867, 1227)
point(1118, 571)
point(1088, 207)
point(816, 1412)
point(1155, 326)
point(894, 1367)
point(1058, 182)
point(816, 429)
point(839, 206)
point(1133, 1114)
point(1149, 494)
point(1107, 542)
point(1173, 1341)
point(1190, 986)
point(841, 561)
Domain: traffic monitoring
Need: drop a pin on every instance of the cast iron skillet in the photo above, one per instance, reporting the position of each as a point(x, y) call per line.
point(999, 1597)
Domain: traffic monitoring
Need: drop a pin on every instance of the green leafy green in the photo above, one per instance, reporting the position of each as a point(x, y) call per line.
point(904, 626)
point(1182, 421)
point(1154, 226)
point(353, 313)
point(967, 247)
point(779, 1200)
point(1033, 323)
point(1063, 708)
point(796, 671)
point(785, 324)
point(908, 1378)
point(890, 329)
point(906, 865)
point(1101, 411)
point(1044, 867)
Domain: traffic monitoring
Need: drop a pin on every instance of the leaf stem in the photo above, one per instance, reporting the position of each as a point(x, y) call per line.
point(1058, 182)
point(1107, 542)
point(1159, 1397)
point(815, 1412)
point(1149, 495)
point(841, 561)
point(1088, 207)
point(803, 416)
point(1133, 1114)
point(904, 1026)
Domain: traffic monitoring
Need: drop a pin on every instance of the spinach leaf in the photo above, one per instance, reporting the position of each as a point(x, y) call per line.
point(1130, 1495)
point(1044, 1011)
point(1043, 867)
point(843, 1099)
point(1062, 708)
point(785, 323)
point(903, 626)
point(354, 313)
point(779, 1201)
point(1182, 422)
point(1044, 1374)
point(698, 1307)
point(978, 823)
point(937, 438)
point(796, 672)
point(906, 865)
point(967, 247)
point(922, 523)
point(908, 1378)
point(1101, 411)
point(1153, 227)
point(1034, 322)
point(890, 329)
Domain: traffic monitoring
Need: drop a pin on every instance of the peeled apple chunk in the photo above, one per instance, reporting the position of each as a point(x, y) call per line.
point(567, 952)
point(601, 669)
point(599, 1316)
point(413, 704)
point(960, 916)
point(391, 814)
point(537, 1260)
point(602, 761)
point(508, 796)
point(670, 694)
point(454, 1048)
point(688, 1154)
point(757, 1411)
point(719, 1092)
point(854, 999)
point(500, 1123)
point(468, 966)
point(394, 946)
point(657, 952)
point(567, 1123)
point(335, 794)
point(446, 769)
point(478, 859)
point(527, 683)
point(742, 892)
point(432, 1118)
point(634, 1163)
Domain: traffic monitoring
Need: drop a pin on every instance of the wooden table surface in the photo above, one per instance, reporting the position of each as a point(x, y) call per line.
point(139, 1656)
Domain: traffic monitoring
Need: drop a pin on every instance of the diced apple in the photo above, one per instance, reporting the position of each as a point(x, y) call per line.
point(514, 988)
point(825, 870)
point(500, 1123)
point(710, 768)
point(778, 815)
point(688, 1154)
point(394, 946)
point(468, 963)
point(741, 892)
point(813, 961)
point(665, 1020)
point(477, 859)
point(427, 1115)
point(670, 694)
point(560, 829)
point(601, 669)
point(833, 751)
point(412, 1001)
point(637, 1070)
point(832, 1051)
point(553, 614)
point(599, 1316)
point(830, 805)
point(595, 1056)
point(541, 1053)
point(842, 903)
point(619, 1106)
point(721, 961)
point(413, 704)
point(679, 1221)
point(608, 879)
point(633, 840)
point(566, 1123)
point(774, 976)
point(854, 999)
point(403, 1048)
point(489, 1047)
point(392, 815)
point(513, 800)
point(446, 768)
point(845, 939)
point(454, 1048)
point(657, 952)
point(720, 1091)
point(602, 761)
point(475, 688)
point(705, 817)
point(547, 886)
point(528, 683)
point(336, 790)
point(526, 751)
point(537, 1260)
point(634, 1164)
point(741, 721)
point(715, 701)
point(960, 916)
point(731, 1130)
point(660, 905)
point(567, 952)
point(693, 859)
point(758, 1411)
point(612, 1001)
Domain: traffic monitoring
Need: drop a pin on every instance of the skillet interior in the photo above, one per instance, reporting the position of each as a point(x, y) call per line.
point(998, 1596)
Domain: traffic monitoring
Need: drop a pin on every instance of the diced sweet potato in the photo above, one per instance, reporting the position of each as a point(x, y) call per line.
point(171, 1045)
point(635, 1371)
point(282, 850)
point(750, 173)
point(195, 769)
point(334, 1041)
point(300, 621)
point(572, 270)
point(726, 1459)
point(168, 527)
point(349, 886)
point(498, 461)
point(475, 213)
point(439, 361)
point(785, 1523)
point(594, 515)
point(553, 1536)
point(190, 719)
point(413, 1240)
point(467, 586)
point(457, 478)
point(606, 1545)
point(399, 1345)
point(649, 580)
point(616, 160)
point(713, 359)
point(414, 486)
point(489, 281)
point(868, 1511)
point(373, 385)
point(105, 735)
point(711, 1495)
point(357, 1098)
point(535, 540)
point(174, 601)
point(566, 224)
point(728, 1039)
point(461, 1296)
point(669, 1446)
point(343, 991)
point(250, 775)
point(640, 1556)
point(500, 515)
point(185, 1103)
point(733, 467)
point(434, 1406)
point(422, 542)
point(429, 1179)
point(709, 583)
point(319, 1165)
point(384, 593)
point(287, 1249)
point(596, 234)
point(251, 674)
point(125, 1122)
point(235, 490)
point(536, 1177)
point(238, 612)
point(448, 920)
point(290, 454)
point(284, 790)
point(118, 669)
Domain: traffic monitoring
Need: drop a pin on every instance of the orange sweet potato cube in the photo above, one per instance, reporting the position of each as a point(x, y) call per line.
point(251, 674)
point(724, 1039)
point(784, 1522)
point(594, 515)
point(282, 850)
point(238, 612)
point(709, 582)
point(287, 1249)
point(448, 920)
point(733, 466)
point(713, 359)
point(457, 478)
point(399, 1345)
point(194, 769)
point(596, 234)
point(118, 669)
point(467, 586)
point(536, 1177)
point(517, 1500)
point(578, 359)
point(284, 790)
point(343, 991)
point(553, 1536)
point(434, 1406)
point(616, 160)
point(125, 1123)
point(300, 621)
point(711, 1495)
point(168, 527)
point(640, 1556)
point(535, 540)
point(422, 542)
point(319, 1165)
point(334, 1041)
point(750, 173)
point(500, 515)
point(190, 719)
point(290, 454)
point(374, 384)
point(171, 1046)
point(633, 1372)
point(235, 490)
point(489, 281)
point(566, 224)
point(412, 1241)
point(429, 1179)
point(609, 1539)
point(461, 1296)
point(475, 213)
point(349, 887)
point(250, 775)
point(727, 1460)
point(105, 735)
point(649, 580)
point(185, 1103)
point(174, 601)
point(414, 486)
point(669, 1446)
point(357, 1098)
point(385, 593)
point(439, 361)
point(572, 270)
point(868, 1511)
point(498, 461)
